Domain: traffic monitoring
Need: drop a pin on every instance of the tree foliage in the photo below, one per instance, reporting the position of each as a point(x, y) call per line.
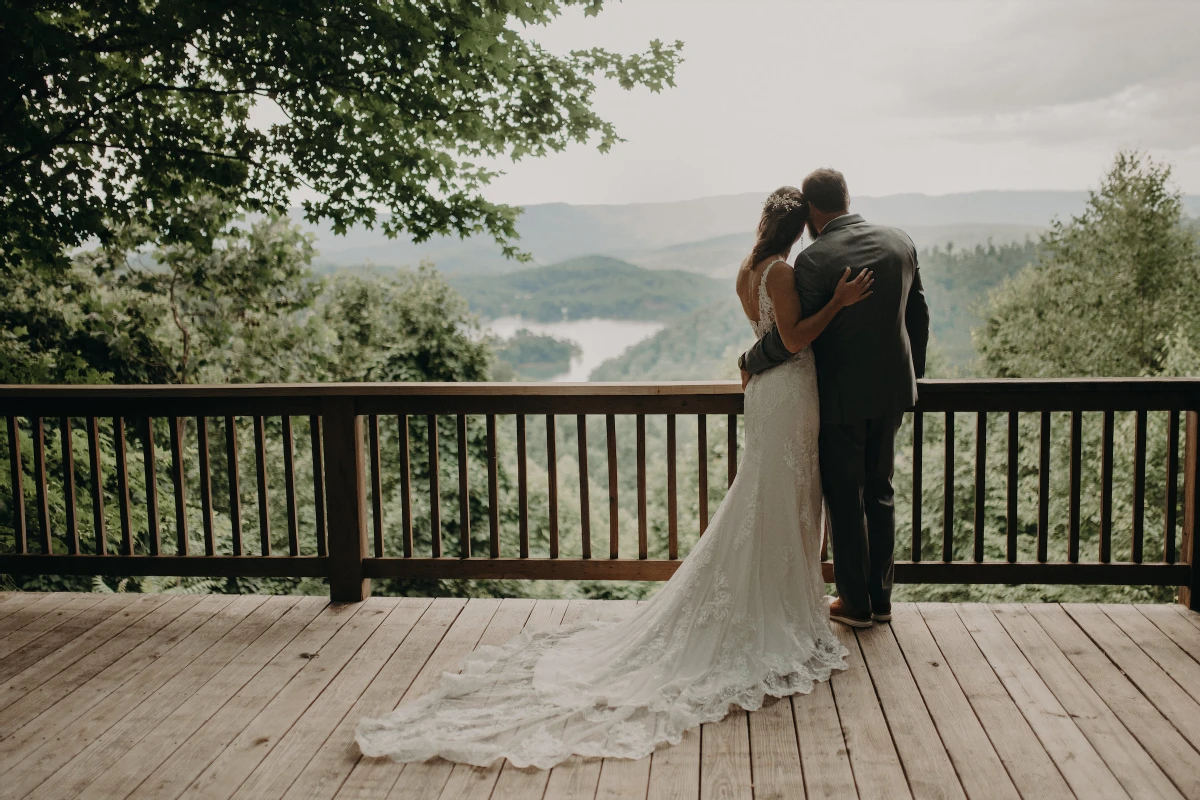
point(119, 113)
point(1116, 291)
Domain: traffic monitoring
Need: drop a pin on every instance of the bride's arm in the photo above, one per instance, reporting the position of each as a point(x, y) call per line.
point(797, 331)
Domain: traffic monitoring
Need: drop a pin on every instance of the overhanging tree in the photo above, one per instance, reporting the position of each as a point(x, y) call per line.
point(118, 113)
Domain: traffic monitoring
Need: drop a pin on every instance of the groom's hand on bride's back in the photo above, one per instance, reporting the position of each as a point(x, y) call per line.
point(745, 379)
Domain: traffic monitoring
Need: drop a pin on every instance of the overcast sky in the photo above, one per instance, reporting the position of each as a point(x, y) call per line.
point(903, 96)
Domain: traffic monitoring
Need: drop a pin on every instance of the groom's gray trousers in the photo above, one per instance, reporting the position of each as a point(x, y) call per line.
point(856, 477)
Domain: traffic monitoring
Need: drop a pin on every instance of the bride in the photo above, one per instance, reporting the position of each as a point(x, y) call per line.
point(742, 618)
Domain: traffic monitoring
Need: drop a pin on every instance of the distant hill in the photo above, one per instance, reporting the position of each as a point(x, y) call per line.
point(555, 232)
point(720, 256)
point(592, 286)
point(704, 345)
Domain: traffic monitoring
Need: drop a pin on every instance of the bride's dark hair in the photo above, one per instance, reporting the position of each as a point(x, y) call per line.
point(784, 215)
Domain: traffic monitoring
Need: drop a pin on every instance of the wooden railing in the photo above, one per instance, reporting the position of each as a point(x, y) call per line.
point(337, 516)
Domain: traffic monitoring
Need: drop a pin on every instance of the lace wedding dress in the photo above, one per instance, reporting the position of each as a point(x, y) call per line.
point(742, 618)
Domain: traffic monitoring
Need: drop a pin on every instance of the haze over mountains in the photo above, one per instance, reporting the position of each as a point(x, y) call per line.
point(707, 235)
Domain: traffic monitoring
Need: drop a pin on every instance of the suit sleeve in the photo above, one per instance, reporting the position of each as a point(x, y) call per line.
point(769, 351)
point(916, 321)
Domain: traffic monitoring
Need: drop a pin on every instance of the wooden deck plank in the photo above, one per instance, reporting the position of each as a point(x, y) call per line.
point(519, 784)
point(83, 657)
point(78, 754)
point(576, 778)
point(1025, 759)
point(877, 769)
point(34, 608)
point(621, 777)
point(258, 739)
point(1170, 619)
point(1090, 645)
point(774, 753)
point(1132, 766)
point(139, 761)
point(15, 661)
point(275, 774)
point(978, 767)
point(1084, 769)
point(674, 771)
point(372, 778)
point(1156, 644)
point(725, 770)
point(206, 743)
point(104, 749)
point(926, 763)
point(466, 781)
point(75, 604)
point(327, 770)
point(824, 757)
point(55, 703)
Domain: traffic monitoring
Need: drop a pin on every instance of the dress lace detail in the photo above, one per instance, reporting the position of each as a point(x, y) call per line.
point(743, 618)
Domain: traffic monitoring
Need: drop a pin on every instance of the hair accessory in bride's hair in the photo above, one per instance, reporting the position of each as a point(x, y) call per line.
point(781, 203)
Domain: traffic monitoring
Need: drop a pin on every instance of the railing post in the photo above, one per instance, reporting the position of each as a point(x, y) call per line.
point(346, 499)
point(1190, 551)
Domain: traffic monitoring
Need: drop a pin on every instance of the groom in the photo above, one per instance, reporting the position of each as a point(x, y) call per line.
point(868, 361)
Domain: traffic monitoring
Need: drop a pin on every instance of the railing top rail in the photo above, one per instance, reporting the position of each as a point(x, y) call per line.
point(685, 397)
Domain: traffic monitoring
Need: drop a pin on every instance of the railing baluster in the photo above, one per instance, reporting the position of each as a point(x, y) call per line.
point(406, 513)
point(731, 447)
point(585, 523)
point(980, 481)
point(493, 488)
point(1013, 477)
point(1139, 486)
point(206, 501)
point(672, 500)
point(1076, 477)
point(702, 453)
point(376, 484)
point(151, 474)
point(551, 484)
point(68, 465)
point(178, 483)
point(235, 489)
point(318, 459)
point(17, 482)
point(948, 491)
point(289, 486)
point(123, 485)
point(97, 481)
point(1189, 543)
point(435, 495)
point(614, 522)
point(522, 490)
point(464, 492)
point(918, 451)
point(260, 473)
point(1172, 500)
point(39, 483)
point(1043, 529)
point(641, 486)
point(1106, 490)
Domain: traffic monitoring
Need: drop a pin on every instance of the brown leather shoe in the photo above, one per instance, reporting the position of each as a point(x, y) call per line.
point(838, 613)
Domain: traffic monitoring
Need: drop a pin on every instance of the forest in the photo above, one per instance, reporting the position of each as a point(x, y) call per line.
point(249, 308)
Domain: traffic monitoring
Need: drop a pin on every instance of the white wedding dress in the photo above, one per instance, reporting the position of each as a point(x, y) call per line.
point(743, 617)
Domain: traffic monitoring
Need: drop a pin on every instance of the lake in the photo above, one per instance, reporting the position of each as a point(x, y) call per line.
point(600, 339)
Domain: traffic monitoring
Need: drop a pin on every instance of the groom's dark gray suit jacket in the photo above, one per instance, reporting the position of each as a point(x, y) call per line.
point(870, 356)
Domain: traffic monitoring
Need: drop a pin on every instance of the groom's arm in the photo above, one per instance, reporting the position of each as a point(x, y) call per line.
point(769, 351)
point(916, 321)
point(764, 354)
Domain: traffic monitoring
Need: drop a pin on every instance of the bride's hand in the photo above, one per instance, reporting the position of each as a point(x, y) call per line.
point(849, 292)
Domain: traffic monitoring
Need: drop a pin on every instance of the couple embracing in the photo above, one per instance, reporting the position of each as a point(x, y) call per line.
point(842, 337)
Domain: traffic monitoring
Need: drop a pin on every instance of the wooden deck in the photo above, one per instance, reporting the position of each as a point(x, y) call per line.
point(165, 696)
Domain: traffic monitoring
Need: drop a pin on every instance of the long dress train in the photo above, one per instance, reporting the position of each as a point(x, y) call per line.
point(742, 618)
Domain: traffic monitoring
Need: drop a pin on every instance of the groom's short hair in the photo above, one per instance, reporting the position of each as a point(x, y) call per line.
point(826, 189)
